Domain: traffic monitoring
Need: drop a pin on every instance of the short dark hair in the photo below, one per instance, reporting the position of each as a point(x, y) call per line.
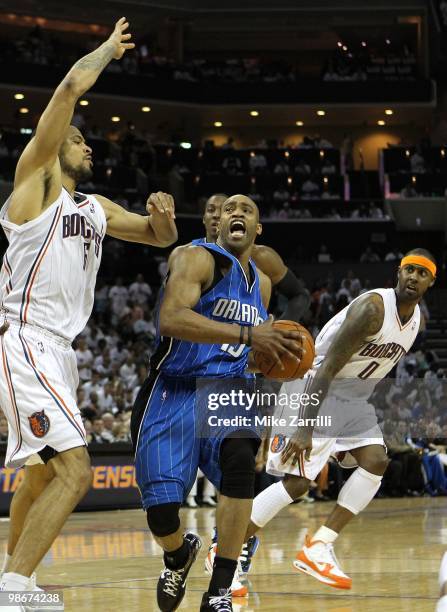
point(423, 253)
point(205, 202)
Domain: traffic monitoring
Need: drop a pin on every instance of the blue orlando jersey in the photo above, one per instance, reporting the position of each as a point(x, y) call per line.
point(199, 241)
point(231, 299)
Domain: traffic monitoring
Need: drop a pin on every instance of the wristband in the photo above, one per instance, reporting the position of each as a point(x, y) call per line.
point(241, 334)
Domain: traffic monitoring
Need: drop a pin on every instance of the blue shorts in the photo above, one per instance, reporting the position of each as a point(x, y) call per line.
point(169, 440)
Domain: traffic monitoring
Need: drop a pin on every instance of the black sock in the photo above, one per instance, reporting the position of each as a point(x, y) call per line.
point(223, 573)
point(177, 559)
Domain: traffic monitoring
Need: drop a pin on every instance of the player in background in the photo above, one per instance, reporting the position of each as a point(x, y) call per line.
point(210, 315)
point(47, 286)
point(362, 343)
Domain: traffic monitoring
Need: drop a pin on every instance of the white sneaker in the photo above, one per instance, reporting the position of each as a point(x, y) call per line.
point(32, 586)
point(318, 560)
point(209, 501)
point(441, 606)
point(237, 588)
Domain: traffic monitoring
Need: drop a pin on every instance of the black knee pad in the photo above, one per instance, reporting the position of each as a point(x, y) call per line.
point(237, 462)
point(163, 520)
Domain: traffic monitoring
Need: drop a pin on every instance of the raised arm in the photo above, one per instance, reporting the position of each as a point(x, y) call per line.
point(157, 229)
point(363, 320)
point(38, 176)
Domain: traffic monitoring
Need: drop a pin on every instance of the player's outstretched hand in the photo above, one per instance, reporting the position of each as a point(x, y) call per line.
point(120, 39)
point(299, 445)
point(277, 342)
point(162, 203)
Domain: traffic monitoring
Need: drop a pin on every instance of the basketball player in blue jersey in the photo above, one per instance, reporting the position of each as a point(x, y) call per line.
point(47, 285)
point(265, 258)
point(210, 316)
point(298, 301)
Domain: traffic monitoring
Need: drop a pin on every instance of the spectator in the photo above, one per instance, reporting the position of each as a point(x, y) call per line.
point(232, 165)
point(328, 167)
point(257, 163)
point(108, 421)
point(368, 256)
point(344, 291)
point(98, 431)
point(375, 212)
point(323, 255)
point(281, 195)
point(409, 191)
point(310, 189)
point(128, 370)
point(282, 167)
point(417, 163)
point(139, 291)
point(84, 358)
point(118, 295)
point(302, 168)
point(394, 255)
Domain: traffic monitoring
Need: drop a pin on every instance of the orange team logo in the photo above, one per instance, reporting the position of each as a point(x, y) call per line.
point(39, 423)
point(278, 443)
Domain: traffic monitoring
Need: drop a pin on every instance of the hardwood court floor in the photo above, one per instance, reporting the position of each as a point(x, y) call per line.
point(106, 561)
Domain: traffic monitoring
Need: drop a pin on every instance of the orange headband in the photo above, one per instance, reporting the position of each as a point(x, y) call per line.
point(419, 260)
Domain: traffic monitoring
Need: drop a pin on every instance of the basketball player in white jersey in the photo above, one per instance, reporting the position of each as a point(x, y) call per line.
point(356, 349)
point(46, 289)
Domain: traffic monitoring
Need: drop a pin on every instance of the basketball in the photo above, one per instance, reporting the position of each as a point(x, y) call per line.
point(292, 369)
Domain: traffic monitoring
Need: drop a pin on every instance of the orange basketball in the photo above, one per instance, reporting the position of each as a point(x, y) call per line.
point(292, 369)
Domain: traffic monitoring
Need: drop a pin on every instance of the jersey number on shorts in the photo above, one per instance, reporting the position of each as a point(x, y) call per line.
point(235, 350)
point(370, 368)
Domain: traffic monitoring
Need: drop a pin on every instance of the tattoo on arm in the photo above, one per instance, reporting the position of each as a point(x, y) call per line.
point(364, 319)
point(98, 59)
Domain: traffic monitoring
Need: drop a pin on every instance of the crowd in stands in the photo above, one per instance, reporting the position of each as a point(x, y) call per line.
point(364, 63)
point(302, 180)
point(386, 62)
point(416, 171)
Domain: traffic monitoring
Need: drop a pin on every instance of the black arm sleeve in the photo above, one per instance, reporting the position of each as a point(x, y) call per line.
point(298, 296)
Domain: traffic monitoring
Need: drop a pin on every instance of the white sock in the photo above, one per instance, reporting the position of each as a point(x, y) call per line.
point(268, 503)
point(443, 571)
point(208, 488)
point(359, 490)
point(5, 562)
point(442, 604)
point(14, 582)
point(326, 535)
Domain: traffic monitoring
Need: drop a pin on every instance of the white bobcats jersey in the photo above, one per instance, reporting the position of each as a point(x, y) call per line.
point(49, 269)
point(377, 356)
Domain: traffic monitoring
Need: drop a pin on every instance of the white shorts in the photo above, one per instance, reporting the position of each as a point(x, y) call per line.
point(349, 416)
point(38, 382)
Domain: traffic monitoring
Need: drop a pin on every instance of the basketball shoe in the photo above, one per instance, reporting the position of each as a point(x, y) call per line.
point(172, 583)
point(219, 603)
point(31, 587)
point(248, 551)
point(237, 588)
point(318, 560)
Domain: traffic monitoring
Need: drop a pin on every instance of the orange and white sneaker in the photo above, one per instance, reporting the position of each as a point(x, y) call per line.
point(237, 588)
point(318, 560)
